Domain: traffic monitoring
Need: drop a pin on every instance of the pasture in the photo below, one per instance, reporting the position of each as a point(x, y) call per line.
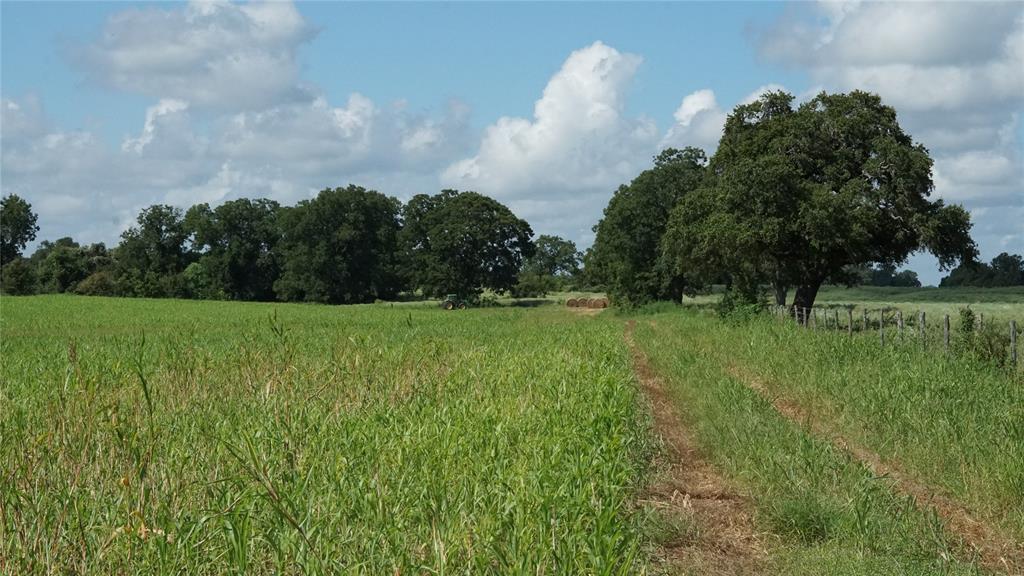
point(200, 437)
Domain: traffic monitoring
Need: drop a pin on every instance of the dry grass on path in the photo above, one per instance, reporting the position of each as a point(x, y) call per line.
point(721, 538)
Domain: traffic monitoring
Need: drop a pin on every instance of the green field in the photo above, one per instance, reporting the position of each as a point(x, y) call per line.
point(145, 436)
point(163, 436)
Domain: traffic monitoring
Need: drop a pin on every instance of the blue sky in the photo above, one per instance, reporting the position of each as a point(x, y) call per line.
point(109, 107)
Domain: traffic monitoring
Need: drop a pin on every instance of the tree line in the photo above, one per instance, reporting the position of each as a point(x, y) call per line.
point(346, 245)
point(794, 197)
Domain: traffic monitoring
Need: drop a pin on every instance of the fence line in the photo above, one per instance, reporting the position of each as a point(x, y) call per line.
point(808, 318)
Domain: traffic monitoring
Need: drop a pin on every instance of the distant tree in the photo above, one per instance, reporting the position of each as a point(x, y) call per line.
point(881, 275)
point(1005, 270)
point(18, 278)
point(534, 285)
point(17, 227)
point(463, 243)
point(99, 283)
point(339, 248)
point(153, 254)
point(906, 279)
point(969, 274)
point(625, 255)
point(60, 265)
point(796, 197)
point(554, 256)
point(236, 243)
point(555, 262)
point(886, 275)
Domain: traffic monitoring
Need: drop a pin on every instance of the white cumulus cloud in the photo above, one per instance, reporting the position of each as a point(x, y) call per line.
point(559, 167)
point(217, 54)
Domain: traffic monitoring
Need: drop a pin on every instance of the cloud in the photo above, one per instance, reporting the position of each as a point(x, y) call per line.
point(85, 187)
point(217, 54)
point(162, 117)
point(955, 74)
point(575, 150)
point(231, 117)
point(699, 122)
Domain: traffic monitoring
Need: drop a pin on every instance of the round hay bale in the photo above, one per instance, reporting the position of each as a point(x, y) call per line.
point(594, 303)
point(602, 302)
point(571, 303)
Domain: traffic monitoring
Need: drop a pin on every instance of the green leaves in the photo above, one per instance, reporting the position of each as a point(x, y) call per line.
point(17, 227)
point(462, 243)
point(340, 248)
point(795, 196)
point(625, 252)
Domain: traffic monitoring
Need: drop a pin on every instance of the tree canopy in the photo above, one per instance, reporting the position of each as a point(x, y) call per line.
point(17, 227)
point(153, 254)
point(340, 248)
point(625, 255)
point(462, 243)
point(795, 197)
point(554, 265)
point(237, 242)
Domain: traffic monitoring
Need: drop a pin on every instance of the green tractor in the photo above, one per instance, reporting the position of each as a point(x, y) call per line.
point(453, 302)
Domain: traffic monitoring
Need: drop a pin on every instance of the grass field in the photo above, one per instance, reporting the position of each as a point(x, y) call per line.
point(162, 436)
point(147, 436)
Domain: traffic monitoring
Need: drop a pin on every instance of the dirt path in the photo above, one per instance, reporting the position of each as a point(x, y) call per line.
point(716, 533)
point(993, 550)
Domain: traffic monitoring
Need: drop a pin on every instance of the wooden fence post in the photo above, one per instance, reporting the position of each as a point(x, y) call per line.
point(945, 332)
point(865, 319)
point(1013, 342)
point(849, 314)
point(899, 322)
point(881, 325)
point(836, 318)
point(814, 319)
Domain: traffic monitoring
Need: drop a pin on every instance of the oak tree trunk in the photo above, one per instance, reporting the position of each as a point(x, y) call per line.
point(805, 295)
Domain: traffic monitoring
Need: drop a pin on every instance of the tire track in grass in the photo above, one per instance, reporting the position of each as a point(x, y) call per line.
point(722, 539)
point(993, 550)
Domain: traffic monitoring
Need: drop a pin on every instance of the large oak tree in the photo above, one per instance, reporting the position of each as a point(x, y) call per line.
point(796, 197)
point(237, 241)
point(462, 243)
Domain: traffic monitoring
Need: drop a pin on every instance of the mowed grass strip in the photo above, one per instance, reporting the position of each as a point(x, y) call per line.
point(147, 436)
point(830, 514)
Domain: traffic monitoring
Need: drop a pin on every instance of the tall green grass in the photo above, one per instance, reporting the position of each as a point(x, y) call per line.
point(954, 423)
point(954, 420)
point(147, 436)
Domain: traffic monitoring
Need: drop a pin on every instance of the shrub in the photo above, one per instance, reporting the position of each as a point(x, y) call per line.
point(18, 278)
point(99, 283)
